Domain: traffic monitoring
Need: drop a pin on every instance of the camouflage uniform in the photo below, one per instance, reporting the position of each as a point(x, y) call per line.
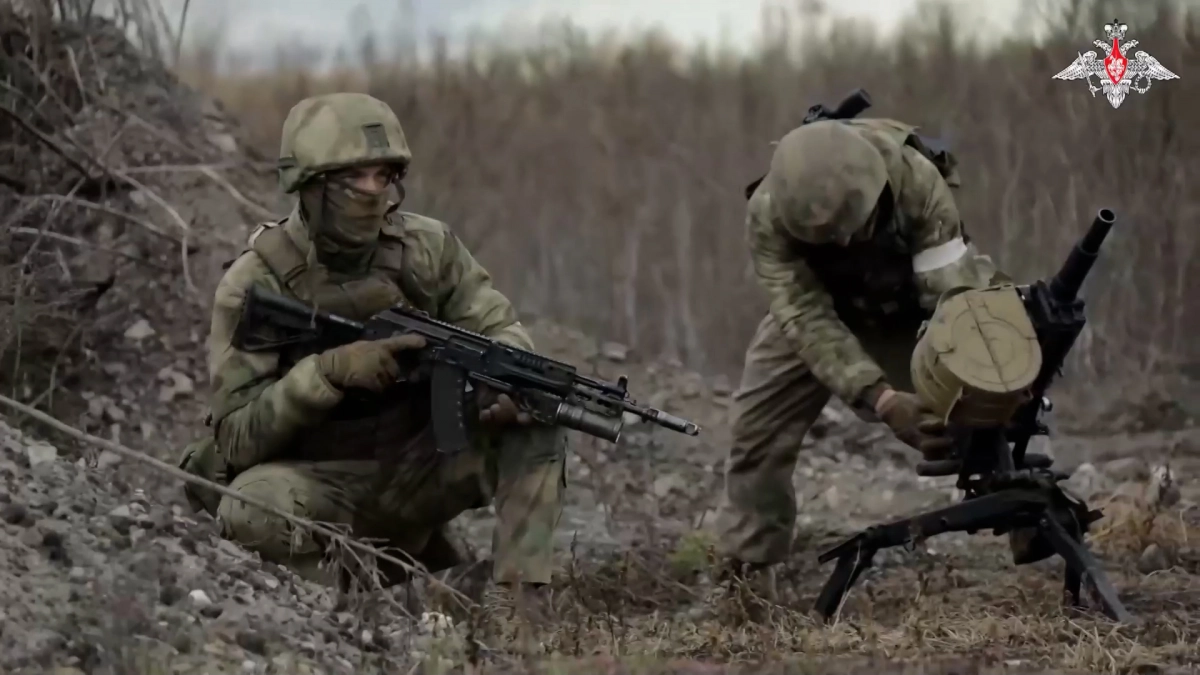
point(854, 235)
point(285, 435)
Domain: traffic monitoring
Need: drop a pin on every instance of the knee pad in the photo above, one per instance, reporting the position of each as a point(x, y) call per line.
point(272, 536)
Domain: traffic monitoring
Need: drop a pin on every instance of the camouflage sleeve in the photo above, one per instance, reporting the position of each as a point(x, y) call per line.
point(942, 260)
point(255, 412)
point(804, 309)
point(467, 298)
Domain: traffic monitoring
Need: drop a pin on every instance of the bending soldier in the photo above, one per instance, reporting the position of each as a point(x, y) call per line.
point(331, 437)
point(854, 235)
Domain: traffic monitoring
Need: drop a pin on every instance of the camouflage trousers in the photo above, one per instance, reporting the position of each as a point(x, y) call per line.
point(775, 405)
point(521, 470)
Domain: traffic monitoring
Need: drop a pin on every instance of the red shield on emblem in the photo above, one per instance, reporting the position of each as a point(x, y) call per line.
point(1115, 63)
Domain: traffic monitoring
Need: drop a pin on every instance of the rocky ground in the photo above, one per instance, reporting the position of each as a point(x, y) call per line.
point(123, 181)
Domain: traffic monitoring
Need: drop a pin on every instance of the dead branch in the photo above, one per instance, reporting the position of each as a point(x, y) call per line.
point(20, 186)
point(160, 466)
point(87, 204)
point(46, 140)
point(242, 199)
point(85, 244)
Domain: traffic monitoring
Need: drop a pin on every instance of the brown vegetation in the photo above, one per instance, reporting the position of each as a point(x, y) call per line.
point(602, 185)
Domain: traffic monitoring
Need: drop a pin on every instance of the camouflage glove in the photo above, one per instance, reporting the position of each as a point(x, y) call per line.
point(914, 424)
point(499, 409)
point(366, 364)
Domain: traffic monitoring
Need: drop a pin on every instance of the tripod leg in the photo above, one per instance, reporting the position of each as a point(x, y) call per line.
point(849, 567)
point(1085, 567)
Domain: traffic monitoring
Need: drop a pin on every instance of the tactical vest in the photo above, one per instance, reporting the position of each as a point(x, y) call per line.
point(358, 427)
point(871, 282)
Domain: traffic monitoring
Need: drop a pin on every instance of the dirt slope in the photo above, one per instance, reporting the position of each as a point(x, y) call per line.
point(113, 179)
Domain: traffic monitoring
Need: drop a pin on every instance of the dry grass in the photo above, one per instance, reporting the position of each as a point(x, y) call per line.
point(602, 185)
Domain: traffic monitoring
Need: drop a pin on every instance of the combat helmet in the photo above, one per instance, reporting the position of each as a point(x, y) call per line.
point(825, 180)
point(338, 131)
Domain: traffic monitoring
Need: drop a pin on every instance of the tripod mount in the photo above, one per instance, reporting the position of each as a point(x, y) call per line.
point(1006, 489)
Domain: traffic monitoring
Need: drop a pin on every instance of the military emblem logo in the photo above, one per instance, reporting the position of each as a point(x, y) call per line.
point(1116, 73)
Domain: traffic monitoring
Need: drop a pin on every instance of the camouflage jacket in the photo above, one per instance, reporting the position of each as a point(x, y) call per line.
point(262, 405)
point(888, 278)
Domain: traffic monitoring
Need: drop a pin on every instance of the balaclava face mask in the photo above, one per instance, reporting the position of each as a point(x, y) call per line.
point(344, 222)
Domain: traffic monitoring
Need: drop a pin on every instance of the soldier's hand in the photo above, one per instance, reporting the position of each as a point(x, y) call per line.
point(367, 364)
point(913, 423)
point(500, 409)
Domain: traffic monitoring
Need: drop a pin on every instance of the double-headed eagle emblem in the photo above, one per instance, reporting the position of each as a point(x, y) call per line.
point(1116, 74)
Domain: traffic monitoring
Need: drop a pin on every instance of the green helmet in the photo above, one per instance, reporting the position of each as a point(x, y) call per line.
point(825, 180)
point(337, 131)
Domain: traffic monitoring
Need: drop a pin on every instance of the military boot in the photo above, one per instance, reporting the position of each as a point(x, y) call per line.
point(518, 612)
point(747, 589)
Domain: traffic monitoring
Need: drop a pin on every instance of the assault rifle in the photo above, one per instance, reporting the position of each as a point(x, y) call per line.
point(1006, 488)
point(552, 392)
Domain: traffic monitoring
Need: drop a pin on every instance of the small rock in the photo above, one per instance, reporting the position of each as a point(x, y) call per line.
point(107, 459)
point(249, 666)
point(1087, 481)
point(832, 497)
point(668, 483)
point(182, 642)
point(140, 330)
point(224, 142)
point(169, 594)
point(614, 351)
point(121, 519)
point(1153, 559)
point(200, 599)
point(16, 514)
point(251, 641)
point(30, 537)
point(212, 611)
point(41, 453)
point(77, 574)
point(177, 385)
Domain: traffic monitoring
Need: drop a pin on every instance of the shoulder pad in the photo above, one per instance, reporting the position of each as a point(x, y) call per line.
point(263, 226)
point(406, 224)
point(395, 225)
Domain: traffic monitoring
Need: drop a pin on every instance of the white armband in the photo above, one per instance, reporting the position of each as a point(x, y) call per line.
point(939, 256)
